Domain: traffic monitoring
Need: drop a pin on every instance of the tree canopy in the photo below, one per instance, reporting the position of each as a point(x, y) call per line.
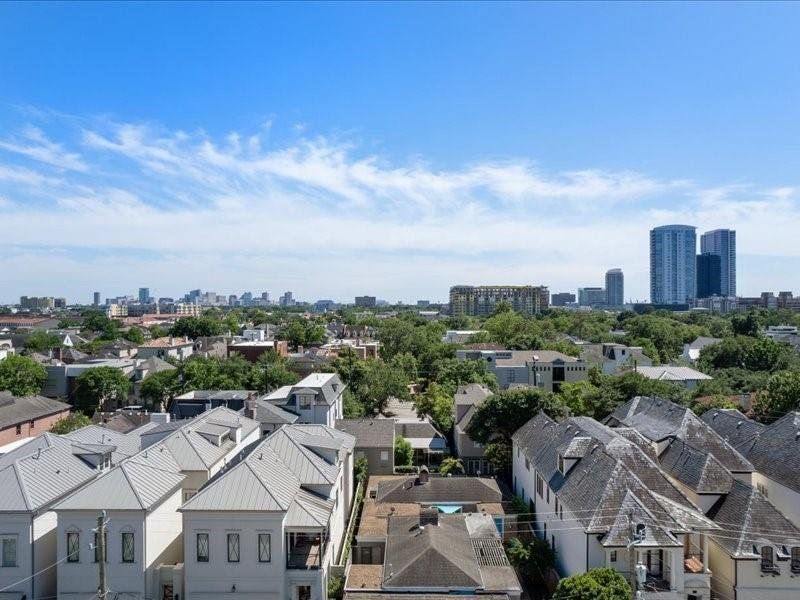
point(22, 376)
point(70, 423)
point(100, 388)
point(596, 584)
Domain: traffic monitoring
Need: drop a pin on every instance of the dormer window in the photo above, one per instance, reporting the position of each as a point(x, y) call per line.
point(768, 559)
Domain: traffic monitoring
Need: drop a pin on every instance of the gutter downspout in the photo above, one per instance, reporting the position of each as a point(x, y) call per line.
point(735, 579)
point(587, 551)
point(33, 556)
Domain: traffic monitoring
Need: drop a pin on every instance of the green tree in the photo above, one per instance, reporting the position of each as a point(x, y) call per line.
point(499, 455)
point(157, 331)
point(781, 395)
point(158, 389)
point(436, 402)
point(40, 341)
point(451, 465)
point(70, 423)
point(747, 324)
point(534, 558)
point(135, 335)
point(100, 388)
point(271, 372)
point(22, 376)
point(500, 415)
point(583, 398)
point(716, 401)
point(597, 584)
point(97, 321)
point(195, 327)
point(451, 373)
point(403, 452)
point(303, 332)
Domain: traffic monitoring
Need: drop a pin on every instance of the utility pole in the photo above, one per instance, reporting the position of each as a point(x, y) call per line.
point(102, 588)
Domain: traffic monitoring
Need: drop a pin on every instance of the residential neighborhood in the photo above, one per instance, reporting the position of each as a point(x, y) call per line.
point(399, 300)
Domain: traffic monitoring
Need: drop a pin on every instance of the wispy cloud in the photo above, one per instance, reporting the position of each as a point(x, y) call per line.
point(319, 214)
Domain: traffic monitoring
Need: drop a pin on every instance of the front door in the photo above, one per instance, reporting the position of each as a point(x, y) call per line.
point(166, 592)
point(303, 592)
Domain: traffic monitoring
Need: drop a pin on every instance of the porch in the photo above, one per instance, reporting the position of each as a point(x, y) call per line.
point(305, 549)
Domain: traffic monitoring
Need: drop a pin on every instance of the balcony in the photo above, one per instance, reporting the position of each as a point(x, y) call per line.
point(305, 550)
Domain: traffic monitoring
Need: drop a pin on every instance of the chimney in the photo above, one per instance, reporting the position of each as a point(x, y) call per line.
point(423, 475)
point(428, 515)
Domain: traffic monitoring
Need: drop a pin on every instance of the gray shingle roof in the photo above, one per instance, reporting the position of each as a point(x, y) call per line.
point(699, 470)
point(414, 554)
point(613, 476)
point(472, 393)
point(20, 409)
point(748, 519)
point(369, 433)
point(659, 419)
point(774, 450)
point(469, 490)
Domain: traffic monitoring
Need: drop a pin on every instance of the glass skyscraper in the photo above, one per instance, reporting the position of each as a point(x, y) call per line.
point(722, 243)
point(673, 264)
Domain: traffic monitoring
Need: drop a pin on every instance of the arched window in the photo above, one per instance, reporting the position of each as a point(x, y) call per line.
point(767, 558)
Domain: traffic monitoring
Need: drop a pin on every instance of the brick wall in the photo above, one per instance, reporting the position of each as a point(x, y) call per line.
point(40, 425)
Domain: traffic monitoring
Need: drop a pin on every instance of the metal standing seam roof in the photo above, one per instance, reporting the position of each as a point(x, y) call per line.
point(271, 476)
point(38, 473)
point(125, 444)
point(266, 412)
point(145, 479)
point(672, 373)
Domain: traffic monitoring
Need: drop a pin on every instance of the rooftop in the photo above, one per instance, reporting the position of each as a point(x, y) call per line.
point(369, 433)
point(19, 409)
point(166, 342)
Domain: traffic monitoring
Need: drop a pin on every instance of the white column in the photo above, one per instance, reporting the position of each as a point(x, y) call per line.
point(704, 537)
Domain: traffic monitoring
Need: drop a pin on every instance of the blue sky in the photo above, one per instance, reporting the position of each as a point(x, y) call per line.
point(392, 149)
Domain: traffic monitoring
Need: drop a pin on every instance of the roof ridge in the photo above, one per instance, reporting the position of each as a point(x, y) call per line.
point(123, 467)
point(21, 482)
point(264, 484)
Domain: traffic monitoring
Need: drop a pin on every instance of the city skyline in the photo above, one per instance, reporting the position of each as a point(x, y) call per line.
point(245, 174)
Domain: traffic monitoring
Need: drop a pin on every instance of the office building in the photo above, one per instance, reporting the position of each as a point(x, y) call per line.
point(673, 264)
point(615, 288)
point(286, 299)
point(34, 302)
point(481, 300)
point(562, 298)
point(144, 295)
point(96, 299)
point(592, 296)
point(722, 242)
point(366, 301)
point(709, 281)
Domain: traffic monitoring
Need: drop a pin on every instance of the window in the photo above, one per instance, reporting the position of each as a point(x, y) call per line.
point(73, 546)
point(763, 489)
point(189, 494)
point(613, 557)
point(796, 559)
point(202, 547)
point(19, 429)
point(561, 512)
point(556, 509)
point(264, 547)
point(9, 558)
point(97, 546)
point(33, 424)
point(304, 401)
point(527, 464)
point(548, 494)
point(560, 463)
point(540, 486)
point(127, 547)
point(767, 559)
point(303, 592)
point(233, 547)
point(384, 455)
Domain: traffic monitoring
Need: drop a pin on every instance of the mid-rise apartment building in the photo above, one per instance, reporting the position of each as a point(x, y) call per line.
point(546, 369)
point(481, 300)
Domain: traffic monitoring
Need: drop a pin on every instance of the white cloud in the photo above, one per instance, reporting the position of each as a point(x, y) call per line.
point(35, 145)
point(317, 215)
